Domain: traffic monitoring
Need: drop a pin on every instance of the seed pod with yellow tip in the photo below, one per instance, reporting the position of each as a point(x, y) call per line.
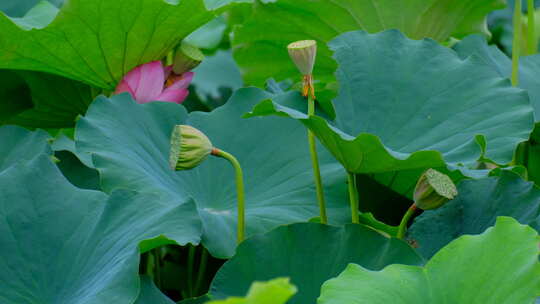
point(303, 55)
point(433, 190)
point(189, 148)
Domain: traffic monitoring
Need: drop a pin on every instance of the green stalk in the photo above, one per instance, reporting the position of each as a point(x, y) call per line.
point(531, 28)
point(315, 165)
point(516, 43)
point(145, 264)
point(184, 294)
point(403, 225)
point(170, 58)
point(191, 262)
point(526, 151)
point(157, 265)
point(239, 191)
point(353, 197)
point(522, 154)
point(201, 271)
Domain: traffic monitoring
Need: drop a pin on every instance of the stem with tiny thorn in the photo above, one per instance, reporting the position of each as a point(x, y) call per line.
point(403, 225)
point(353, 197)
point(516, 43)
point(239, 190)
point(314, 157)
point(531, 28)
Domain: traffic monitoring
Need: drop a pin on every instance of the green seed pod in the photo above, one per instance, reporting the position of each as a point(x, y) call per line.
point(433, 190)
point(186, 58)
point(189, 148)
point(303, 55)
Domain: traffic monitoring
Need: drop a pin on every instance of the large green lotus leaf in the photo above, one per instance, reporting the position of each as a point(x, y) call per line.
point(210, 35)
point(276, 291)
point(499, 266)
point(223, 4)
point(476, 207)
point(73, 168)
point(76, 172)
point(529, 66)
point(20, 8)
point(309, 254)
point(56, 101)
point(215, 73)
point(62, 244)
point(406, 104)
point(130, 146)
point(64, 143)
point(20, 145)
point(264, 36)
point(17, 8)
point(14, 95)
point(150, 294)
point(38, 16)
point(97, 42)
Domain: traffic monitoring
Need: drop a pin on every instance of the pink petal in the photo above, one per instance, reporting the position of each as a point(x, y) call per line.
point(182, 82)
point(150, 84)
point(122, 87)
point(132, 79)
point(173, 95)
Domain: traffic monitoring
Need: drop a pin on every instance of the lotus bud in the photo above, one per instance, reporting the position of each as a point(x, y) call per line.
point(189, 148)
point(187, 58)
point(433, 190)
point(303, 55)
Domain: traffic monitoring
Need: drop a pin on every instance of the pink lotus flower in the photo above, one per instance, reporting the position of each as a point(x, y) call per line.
point(153, 82)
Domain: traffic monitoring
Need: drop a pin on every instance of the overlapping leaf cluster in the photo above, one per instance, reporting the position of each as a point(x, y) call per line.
point(80, 205)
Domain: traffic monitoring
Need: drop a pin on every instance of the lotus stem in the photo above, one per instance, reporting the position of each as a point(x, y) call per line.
point(531, 28)
point(170, 58)
point(516, 43)
point(405, 220)
point(353, 197)
point(201, 271)
point(239, 190)
point(191, 262)
point(308, 87)
point(303, 54)
point(156, 256)
point(521, 156)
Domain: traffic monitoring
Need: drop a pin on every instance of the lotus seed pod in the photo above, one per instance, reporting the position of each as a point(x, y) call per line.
point(303, 55)
point(486, 166)
point(433, 190)
point(186, 58)
point(189, 148)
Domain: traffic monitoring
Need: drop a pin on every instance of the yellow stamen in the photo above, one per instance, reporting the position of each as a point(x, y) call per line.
point(308, 87)
point(172, 79)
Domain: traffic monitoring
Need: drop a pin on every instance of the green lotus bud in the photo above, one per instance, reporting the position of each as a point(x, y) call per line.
point(433, 190)
point(187, 58)
point(303, 55)
point(189, 148)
